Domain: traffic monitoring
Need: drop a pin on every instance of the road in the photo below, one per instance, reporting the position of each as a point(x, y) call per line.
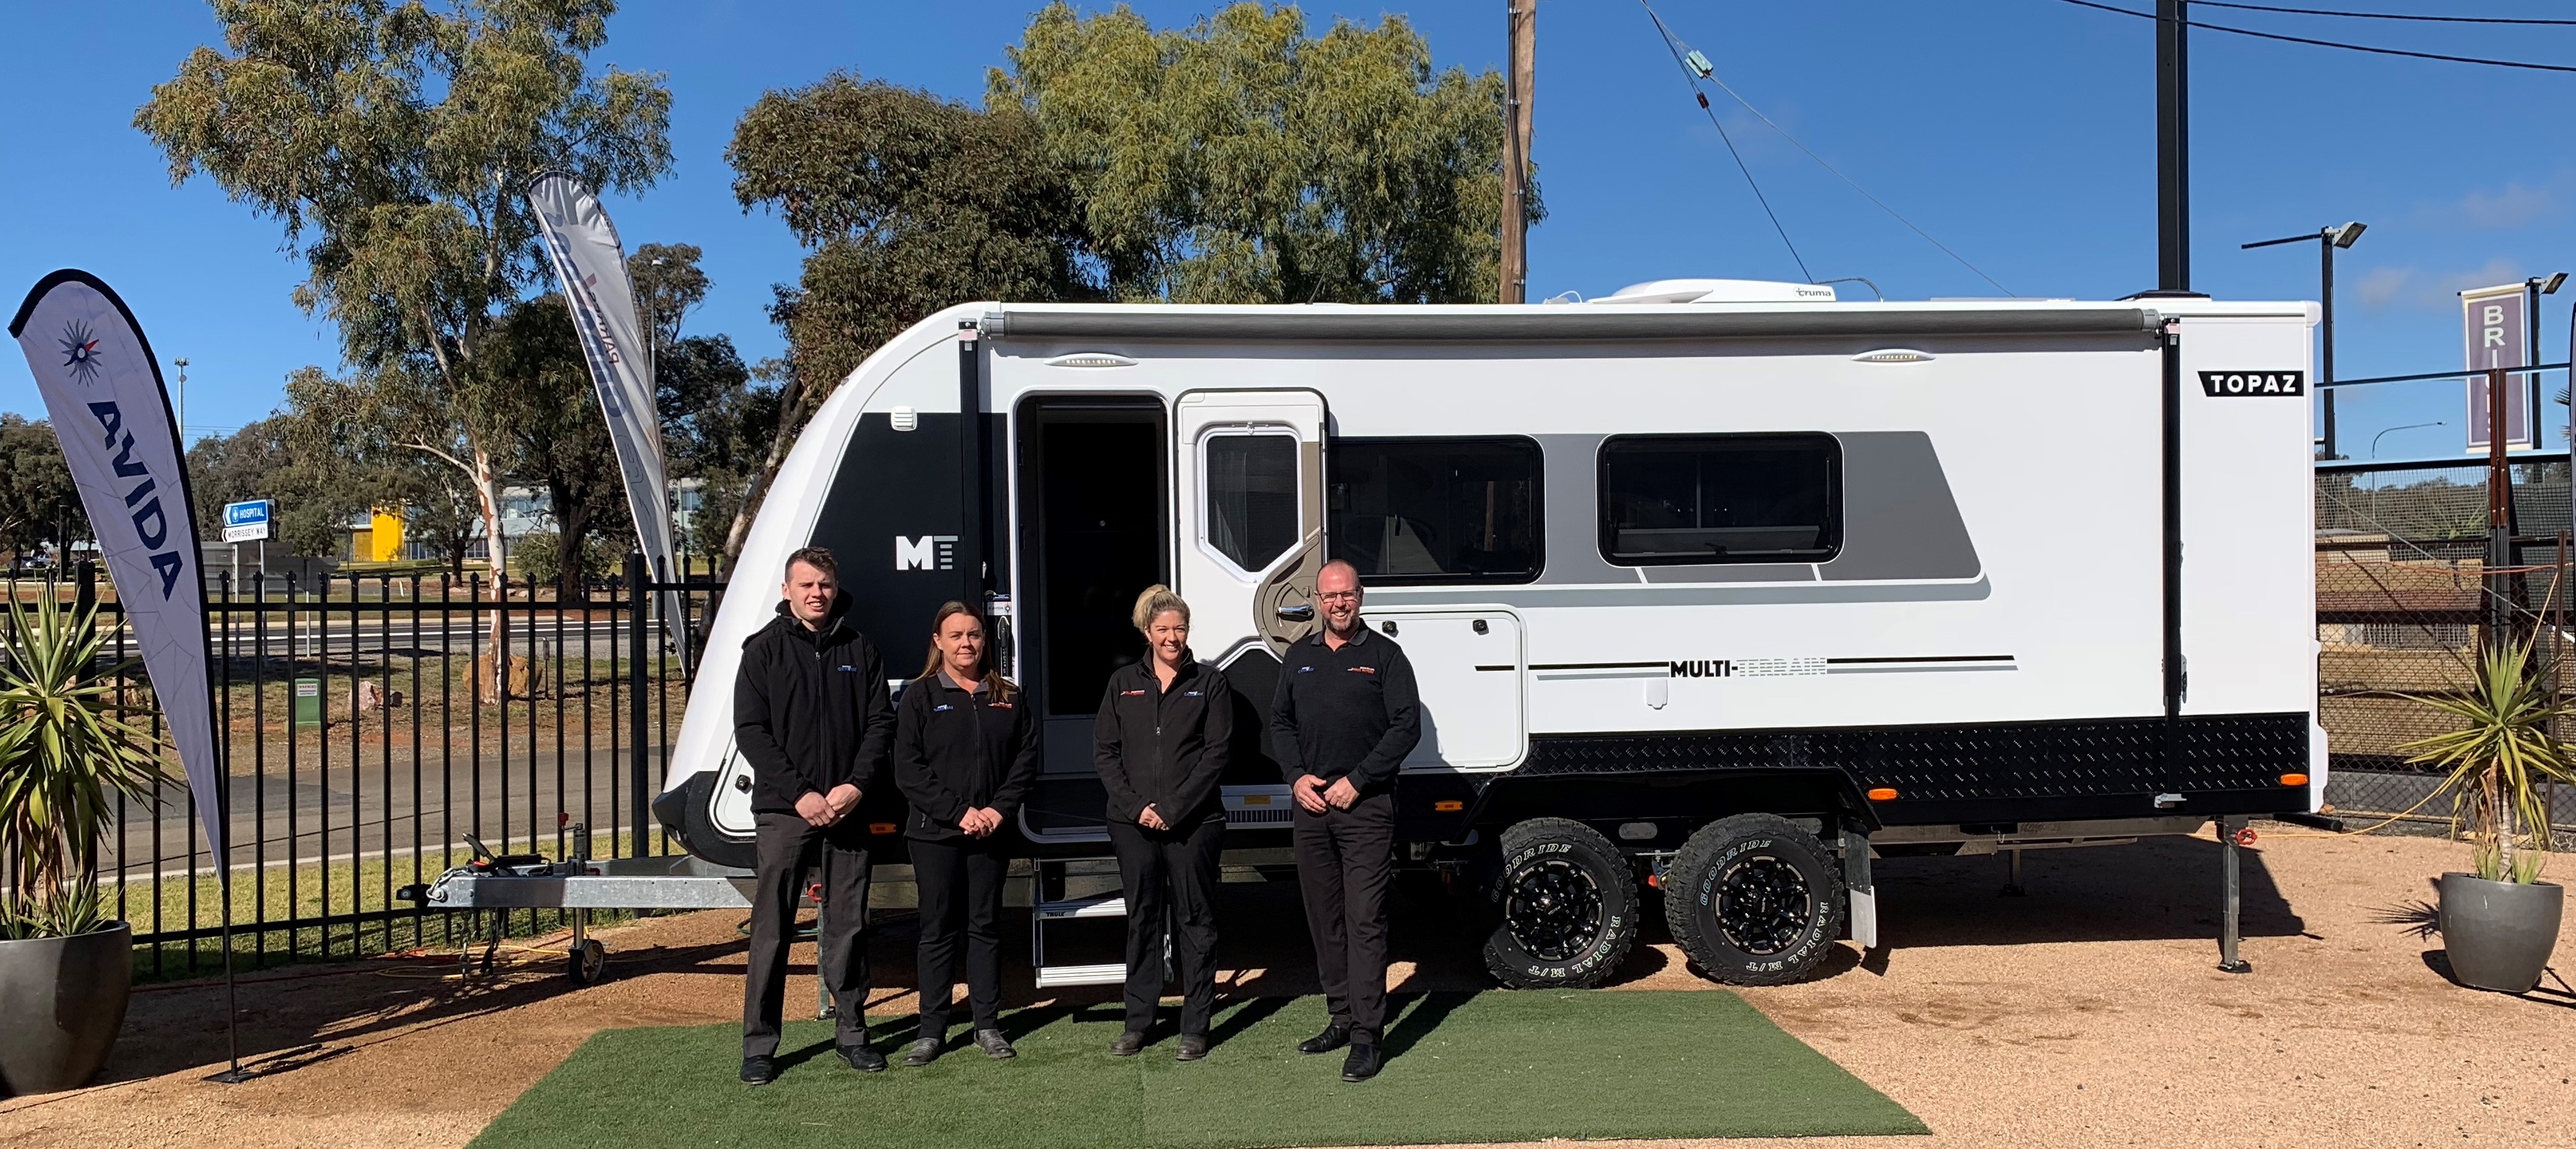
point(371, 807)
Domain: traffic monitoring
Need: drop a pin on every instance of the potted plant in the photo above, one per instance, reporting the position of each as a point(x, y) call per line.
point(2500, 921)
point(68, 748)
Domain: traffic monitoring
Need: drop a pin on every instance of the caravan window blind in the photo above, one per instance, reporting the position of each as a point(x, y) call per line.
point(1251, 498)
point(1427, 511)
point(1721, 499)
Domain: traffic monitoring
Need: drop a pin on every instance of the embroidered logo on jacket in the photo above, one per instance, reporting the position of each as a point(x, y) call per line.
point(942, 708)
point(1305, 670)
point(849, 670)
point(1363, 670)
point(1131, 694)
point(1185, 694)
point(998, 705)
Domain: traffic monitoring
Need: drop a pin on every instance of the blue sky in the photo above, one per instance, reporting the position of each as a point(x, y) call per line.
point(2020, 132)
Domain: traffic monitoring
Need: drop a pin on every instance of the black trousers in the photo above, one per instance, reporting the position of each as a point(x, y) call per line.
point(784, 845)
point(1170, 873)
point(960, 884)
point(1344, 861)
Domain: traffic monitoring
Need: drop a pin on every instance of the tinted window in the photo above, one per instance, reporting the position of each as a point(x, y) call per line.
point(1721, 499)
point(1252, 497)
point(1435, 510)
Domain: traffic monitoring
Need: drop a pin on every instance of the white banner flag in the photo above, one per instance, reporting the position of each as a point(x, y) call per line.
point(103, 392)
point(591, 264)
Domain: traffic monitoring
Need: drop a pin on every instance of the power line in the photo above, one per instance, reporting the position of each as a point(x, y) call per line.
point(1691, 78)
point(1673, 44)
point(2333, 43)
point(2385, 15)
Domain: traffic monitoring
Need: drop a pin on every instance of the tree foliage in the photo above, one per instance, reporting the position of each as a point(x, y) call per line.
point(1240, 160)
point(38, 503)
point(316, 494)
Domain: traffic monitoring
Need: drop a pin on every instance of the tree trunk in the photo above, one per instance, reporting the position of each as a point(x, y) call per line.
point(496, 547)
point(789, 424)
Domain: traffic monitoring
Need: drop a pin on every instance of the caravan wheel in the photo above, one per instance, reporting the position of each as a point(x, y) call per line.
point(1564, 904)
point(1754, 900)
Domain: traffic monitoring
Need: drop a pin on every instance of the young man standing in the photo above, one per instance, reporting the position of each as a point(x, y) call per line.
point(1342, 720)
point(811, 715)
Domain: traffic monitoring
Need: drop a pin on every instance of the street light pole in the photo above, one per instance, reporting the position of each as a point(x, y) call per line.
point(2327, 239)
point(2374, 440)
point(182, 364)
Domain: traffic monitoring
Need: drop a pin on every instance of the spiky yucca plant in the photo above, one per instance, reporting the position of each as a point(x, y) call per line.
point(68, 747)
point(2497, 761)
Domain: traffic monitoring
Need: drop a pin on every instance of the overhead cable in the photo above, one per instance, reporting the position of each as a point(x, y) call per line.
point(1692, 78)
point(2386, 15)
point(2334, 43)
point(1674, 44)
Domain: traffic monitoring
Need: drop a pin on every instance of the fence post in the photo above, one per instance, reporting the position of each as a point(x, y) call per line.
point(639, 596)
point(85, 585)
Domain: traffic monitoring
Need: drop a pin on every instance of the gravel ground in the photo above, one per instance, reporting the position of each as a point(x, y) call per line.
point(2087, 1013)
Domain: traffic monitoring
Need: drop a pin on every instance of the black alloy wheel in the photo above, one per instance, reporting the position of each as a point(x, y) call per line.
point(1754, 899)
point(1564, 904)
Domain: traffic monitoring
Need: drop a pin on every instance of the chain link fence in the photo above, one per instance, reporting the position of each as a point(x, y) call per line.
point(2405, 601)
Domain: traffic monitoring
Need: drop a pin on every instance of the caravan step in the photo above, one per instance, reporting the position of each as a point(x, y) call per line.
point(1103, 906)
point(1111, 973)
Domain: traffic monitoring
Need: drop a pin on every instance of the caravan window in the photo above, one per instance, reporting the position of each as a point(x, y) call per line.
point(1413, 511)
point(1721, 499)
point(1251, 503)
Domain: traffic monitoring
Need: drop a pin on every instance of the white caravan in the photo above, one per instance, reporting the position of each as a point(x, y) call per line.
point(1725, 596)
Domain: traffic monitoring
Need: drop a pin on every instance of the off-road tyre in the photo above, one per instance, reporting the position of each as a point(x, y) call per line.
point(1754, 900)
point(1562, 906)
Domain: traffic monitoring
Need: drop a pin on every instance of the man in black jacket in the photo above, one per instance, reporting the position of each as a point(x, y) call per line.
point(811, 716)
point(1345, 715)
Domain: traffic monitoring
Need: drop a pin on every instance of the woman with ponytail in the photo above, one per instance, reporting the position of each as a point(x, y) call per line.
point(1161, 743)
point(965, 753)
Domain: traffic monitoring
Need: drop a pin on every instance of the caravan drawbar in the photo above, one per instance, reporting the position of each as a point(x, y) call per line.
point(1719, 599)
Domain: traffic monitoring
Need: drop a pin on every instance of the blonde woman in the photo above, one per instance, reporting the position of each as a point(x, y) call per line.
point(1160, 745)
point(965, 753)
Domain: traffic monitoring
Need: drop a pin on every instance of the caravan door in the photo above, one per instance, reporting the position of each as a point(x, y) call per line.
point(1249, 477)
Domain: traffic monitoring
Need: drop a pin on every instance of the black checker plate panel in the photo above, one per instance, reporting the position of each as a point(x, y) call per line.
point(2097, 758)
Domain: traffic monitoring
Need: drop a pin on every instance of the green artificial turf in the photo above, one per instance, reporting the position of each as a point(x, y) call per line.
point(1500, 1066)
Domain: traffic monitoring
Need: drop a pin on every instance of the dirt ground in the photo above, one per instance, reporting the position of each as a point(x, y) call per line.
point(2086, 1013)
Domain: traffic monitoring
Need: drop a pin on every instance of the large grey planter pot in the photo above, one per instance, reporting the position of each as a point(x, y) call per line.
point(2499, 934)
point(61, 1002)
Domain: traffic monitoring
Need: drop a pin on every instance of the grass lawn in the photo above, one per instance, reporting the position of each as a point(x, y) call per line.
point(1496, 1066)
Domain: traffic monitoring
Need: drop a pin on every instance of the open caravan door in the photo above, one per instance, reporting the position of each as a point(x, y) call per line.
point(1249, 472)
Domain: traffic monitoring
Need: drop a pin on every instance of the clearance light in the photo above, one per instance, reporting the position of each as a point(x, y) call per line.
point(1091, 359)
point(1882, 793)
point(1256, 799)
point(882, 827)
point(2294, 779)
point(1448, 806)
point(1893, 355)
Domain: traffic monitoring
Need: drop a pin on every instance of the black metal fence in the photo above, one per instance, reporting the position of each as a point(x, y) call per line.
point(371, 726)
point(2406, 597)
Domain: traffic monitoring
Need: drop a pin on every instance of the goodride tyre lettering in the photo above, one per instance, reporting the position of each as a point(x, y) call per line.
point(1564, 907)
point(1754, 900)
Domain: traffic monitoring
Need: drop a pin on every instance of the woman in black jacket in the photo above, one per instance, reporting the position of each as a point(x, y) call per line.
point(1161, 746)
point(965, 752)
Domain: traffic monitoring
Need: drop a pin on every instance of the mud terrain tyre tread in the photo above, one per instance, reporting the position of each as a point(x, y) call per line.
point(1545, 840)
point(1691, 893)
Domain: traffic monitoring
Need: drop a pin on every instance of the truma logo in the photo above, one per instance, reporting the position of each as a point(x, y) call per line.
point(929, 552)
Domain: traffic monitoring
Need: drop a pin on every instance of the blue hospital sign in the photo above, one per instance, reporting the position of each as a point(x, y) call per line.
point(248, 522)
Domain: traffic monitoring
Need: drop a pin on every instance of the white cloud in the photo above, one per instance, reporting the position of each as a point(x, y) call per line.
point(2515, 206)
point(2382, 288)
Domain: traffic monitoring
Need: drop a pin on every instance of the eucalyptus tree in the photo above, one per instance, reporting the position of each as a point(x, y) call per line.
point(392, 142)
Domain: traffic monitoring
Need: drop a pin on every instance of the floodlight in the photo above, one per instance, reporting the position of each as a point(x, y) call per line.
point(2345, 235)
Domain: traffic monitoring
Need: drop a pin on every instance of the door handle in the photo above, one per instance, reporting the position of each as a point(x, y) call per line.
point(1302, 612)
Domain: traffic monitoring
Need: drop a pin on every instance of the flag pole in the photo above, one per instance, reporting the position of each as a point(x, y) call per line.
point(234, 1074)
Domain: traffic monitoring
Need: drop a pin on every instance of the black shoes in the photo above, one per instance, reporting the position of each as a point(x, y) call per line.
point(862, 1058)
point(1193, 1047)
point(994, 1045)
point(922, 1053)
point(1334, 1037)
point(1362, 1064)
point(759, 1070)
point(1129, 1044)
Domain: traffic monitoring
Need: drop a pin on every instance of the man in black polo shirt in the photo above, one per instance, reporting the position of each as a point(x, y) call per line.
point(811, 714)
point(1344, 717)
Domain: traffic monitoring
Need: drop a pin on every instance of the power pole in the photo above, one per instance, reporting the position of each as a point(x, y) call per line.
point(1518, 85)
point(2173, 146)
